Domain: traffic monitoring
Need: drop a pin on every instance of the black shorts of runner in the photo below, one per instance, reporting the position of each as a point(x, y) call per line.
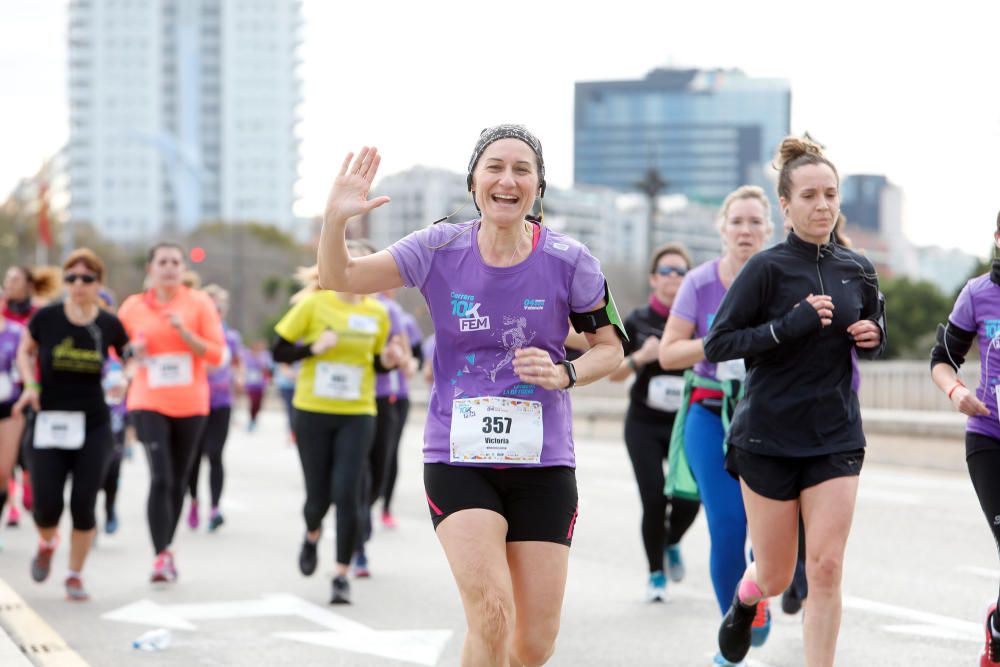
point(784, 478)
point(539, 504)
point(6, 410)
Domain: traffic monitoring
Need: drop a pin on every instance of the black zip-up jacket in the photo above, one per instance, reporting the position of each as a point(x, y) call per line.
point(798, 399)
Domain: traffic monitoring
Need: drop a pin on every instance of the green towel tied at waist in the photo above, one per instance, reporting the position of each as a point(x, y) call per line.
point(680, 479)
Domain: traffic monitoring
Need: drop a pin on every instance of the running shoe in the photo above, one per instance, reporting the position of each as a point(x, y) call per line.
point(719, 661)
point(215, 521)
point(27, 497)
point(251, 425)
point(193, 519)
point(656, 590)
point(761, 627)
point(388, 521)
point(341, 591)
point(675, 563)
point(361, 570)
point(991, 651)
point(735, 633)
point(791, 603)
point(163, 569)
point(75, 591)
point(308, 557)
point(111, 525)
point(41, 564)
point(13, 516)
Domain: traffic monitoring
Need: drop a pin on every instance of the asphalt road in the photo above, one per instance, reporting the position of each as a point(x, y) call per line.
point(921, 566)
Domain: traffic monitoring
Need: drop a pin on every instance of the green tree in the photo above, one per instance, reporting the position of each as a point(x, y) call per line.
point(913, 311)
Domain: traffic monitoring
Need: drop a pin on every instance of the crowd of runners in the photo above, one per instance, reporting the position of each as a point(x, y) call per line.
point(743, 398)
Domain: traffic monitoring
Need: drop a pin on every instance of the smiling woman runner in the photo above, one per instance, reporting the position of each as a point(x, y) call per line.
point(795, 313)
point(175, 334)
point(68, 343)
point(498, 446)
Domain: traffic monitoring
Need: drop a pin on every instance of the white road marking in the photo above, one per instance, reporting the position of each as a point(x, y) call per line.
point(955, 627)
point(421, 647)
point(984, 572)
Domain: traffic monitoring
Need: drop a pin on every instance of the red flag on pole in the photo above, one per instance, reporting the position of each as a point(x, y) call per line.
point(44, 229)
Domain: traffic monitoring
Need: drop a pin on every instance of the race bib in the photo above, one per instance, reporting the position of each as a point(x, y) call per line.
point(55, 429)
point(394, 382)
point(363, 323)
point(665, 393)
point(498, 430)
point(734, 369)
point(170, 370)
point(6, 387)
point(254, 376)
point(339, 381)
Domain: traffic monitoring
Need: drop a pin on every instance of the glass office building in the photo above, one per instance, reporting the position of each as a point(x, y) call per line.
point(705, 132)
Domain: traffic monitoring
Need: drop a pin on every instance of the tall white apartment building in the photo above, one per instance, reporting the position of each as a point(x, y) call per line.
point(182, 111)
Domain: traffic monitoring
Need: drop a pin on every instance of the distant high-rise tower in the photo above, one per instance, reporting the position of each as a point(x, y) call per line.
point(705, 132)
point(182, 111)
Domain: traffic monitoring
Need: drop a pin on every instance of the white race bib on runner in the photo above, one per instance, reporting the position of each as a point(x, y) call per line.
point(734, 369)
point(254, 376)
point(6, 387)
point(339, 381)
point(498, 430)
point(170, 370)
point(56, 429)
point(362, 323)
point(665, 393)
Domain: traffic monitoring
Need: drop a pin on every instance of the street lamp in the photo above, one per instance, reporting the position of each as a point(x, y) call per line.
point(651, 185)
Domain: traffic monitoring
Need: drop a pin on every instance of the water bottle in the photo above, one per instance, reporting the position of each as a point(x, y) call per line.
point(113, 378)
point(154, 640)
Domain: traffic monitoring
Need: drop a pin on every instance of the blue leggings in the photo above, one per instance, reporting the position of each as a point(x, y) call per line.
point(721, 497)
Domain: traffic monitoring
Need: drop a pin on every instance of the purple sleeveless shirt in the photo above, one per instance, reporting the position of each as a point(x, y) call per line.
point(978, 309)
point(9, 339)
point(220, 380)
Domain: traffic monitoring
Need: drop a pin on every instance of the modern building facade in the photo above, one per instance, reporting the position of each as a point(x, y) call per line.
point(705, 132)
point(182, 111)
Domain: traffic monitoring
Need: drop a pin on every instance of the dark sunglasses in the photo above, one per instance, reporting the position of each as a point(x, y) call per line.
point(87, 279)
point(667, 270)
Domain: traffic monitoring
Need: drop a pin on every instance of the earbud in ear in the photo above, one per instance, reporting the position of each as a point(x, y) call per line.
point(786, 212)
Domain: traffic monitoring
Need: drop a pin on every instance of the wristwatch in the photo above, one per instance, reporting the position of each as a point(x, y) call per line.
point(570, 371)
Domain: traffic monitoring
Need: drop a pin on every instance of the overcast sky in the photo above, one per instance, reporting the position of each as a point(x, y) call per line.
point(886, 87)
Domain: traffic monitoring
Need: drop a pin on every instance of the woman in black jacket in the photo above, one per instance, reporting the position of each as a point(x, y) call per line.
point(794, 314)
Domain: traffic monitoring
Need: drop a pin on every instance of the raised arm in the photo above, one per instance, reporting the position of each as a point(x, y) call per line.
point(348, 198)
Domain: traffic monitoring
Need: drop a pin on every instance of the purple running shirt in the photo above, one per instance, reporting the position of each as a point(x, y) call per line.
point(257, 366)
point(697, 301)
point(978, 309)
point(220, 380)
point(481, 315)
point(10, 381)
point(387, 384)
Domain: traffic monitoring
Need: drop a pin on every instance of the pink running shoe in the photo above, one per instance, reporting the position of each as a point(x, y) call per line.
point(388, 521)
point(193, 519)
point(163, 568)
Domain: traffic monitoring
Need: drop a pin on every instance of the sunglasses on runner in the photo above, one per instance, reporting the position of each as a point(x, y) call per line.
point(667, 270)
point(86, 279)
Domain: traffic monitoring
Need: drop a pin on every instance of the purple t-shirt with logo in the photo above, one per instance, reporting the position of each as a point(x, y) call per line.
point(978, 309)
point(9, 339)
point(483, 313)
point(387, 384)
point(697, 301)
point(257, 365)
point(220, 380)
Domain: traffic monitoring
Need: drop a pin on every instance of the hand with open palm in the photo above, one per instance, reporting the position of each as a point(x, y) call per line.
point(349, 194)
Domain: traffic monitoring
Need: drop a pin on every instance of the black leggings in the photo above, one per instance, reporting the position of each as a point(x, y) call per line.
point(664, 519)
point(113, 472)
point(51, 467)
point(213, 439)
point(984, 469)
point(333, 450)
point(402, 406)
point(171, 444)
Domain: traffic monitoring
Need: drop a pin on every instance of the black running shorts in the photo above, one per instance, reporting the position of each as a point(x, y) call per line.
point(784, 477)
point(539, 504)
